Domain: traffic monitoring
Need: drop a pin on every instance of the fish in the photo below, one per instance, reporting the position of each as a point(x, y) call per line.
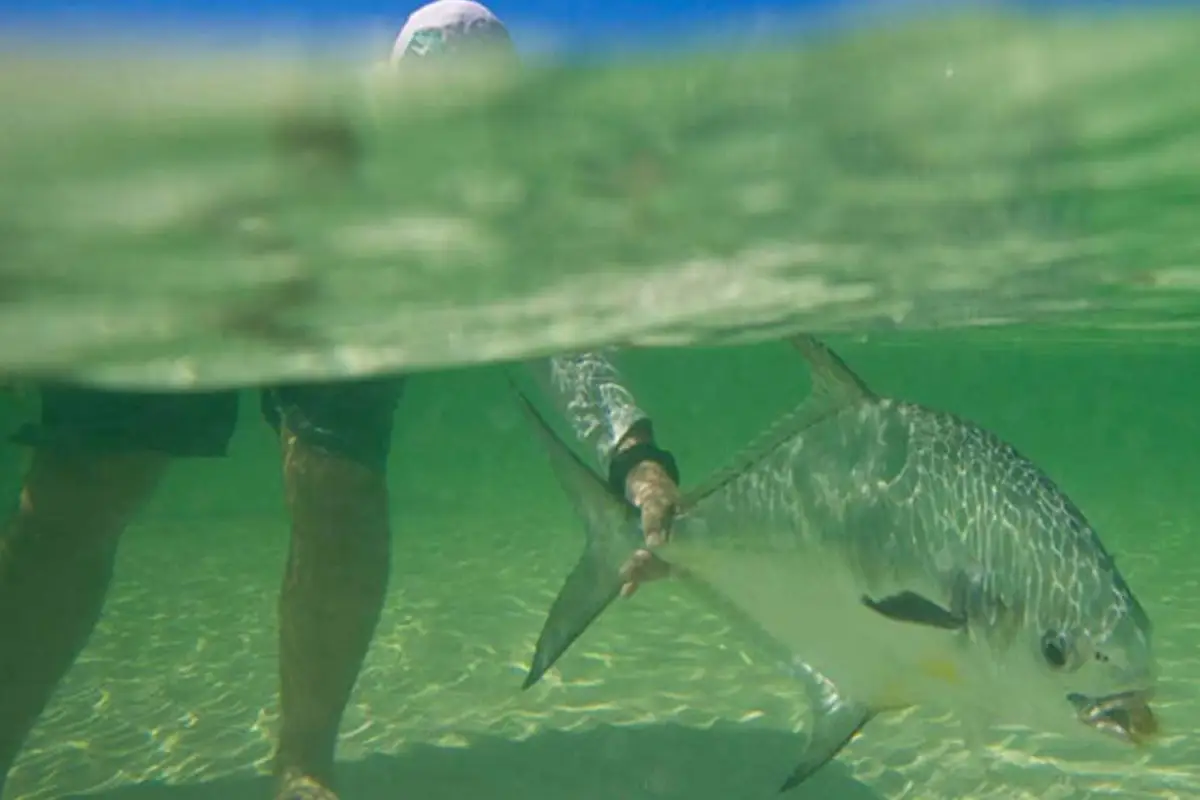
point(891, 556)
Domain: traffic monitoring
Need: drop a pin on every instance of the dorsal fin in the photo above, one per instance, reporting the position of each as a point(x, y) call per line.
point(830, 375)
point(834, 387)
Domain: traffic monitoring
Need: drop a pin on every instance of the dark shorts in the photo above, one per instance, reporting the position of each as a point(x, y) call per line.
point(350, 419)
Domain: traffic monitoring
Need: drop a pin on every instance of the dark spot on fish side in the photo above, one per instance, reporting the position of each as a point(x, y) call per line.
point(989, 612)
point(912, 607)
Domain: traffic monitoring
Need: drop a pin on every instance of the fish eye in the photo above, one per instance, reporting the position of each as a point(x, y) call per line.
point(1055, 649)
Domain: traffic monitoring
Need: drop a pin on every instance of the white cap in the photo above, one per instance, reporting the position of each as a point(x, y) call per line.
point(443, 21)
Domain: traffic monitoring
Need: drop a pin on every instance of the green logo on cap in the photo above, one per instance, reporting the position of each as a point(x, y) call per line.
point(429, 41)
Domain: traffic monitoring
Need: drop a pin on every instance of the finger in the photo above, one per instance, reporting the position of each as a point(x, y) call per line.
point(653, 516)
point(636, 563)
point(643, 568)
point(628, 589)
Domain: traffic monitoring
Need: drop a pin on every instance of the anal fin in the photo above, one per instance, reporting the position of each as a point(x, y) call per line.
point(836, 722)
point(592, 585)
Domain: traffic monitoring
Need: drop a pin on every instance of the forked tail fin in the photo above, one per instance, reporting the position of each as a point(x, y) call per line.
point(610, 524)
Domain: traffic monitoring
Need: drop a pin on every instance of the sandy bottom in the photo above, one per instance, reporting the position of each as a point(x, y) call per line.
point(174, 697)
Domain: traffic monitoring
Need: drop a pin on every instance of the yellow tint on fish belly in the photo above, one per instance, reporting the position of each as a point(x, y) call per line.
point(941, 669)
point(897, 695)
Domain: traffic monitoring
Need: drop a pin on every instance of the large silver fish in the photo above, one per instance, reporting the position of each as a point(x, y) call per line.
point(896, 556)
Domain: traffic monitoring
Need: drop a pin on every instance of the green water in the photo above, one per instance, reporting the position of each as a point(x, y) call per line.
point(656, 702)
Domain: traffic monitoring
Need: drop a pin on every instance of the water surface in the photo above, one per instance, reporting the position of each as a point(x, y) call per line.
point(1015, 175)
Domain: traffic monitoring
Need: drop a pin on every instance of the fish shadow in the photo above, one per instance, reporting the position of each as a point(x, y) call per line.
point(662, 762)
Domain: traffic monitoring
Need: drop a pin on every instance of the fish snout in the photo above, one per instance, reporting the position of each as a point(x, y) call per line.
point(1124, 715)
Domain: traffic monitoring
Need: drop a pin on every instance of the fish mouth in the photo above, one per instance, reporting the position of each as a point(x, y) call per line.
point(1125, 715)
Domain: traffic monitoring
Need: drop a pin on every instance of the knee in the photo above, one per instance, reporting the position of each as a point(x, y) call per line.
point(333, 495)
point(347, 422)
point(86, 495)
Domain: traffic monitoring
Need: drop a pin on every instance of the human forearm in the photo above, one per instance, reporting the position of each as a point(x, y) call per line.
point(590, 392)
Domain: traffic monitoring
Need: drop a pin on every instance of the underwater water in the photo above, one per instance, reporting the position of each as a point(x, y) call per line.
point(994, 216)
point(657, 700)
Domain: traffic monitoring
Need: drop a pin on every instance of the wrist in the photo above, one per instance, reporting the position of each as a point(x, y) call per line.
point(635, 454)
point(640, 432)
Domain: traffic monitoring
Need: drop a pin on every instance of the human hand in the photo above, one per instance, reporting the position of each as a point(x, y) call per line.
point(653, 492)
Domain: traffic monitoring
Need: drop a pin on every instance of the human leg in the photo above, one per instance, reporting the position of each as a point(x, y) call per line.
point(335, 440)
point(97, 457)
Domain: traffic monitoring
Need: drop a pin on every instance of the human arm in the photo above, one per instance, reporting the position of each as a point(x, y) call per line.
point(590, 393)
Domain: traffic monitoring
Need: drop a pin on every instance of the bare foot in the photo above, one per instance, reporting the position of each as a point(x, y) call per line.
point(297, 786)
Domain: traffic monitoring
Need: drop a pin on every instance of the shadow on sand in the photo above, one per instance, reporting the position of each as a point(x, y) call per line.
point(662, 762)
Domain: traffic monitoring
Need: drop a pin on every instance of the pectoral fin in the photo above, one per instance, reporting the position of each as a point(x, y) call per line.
point(915, 608)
